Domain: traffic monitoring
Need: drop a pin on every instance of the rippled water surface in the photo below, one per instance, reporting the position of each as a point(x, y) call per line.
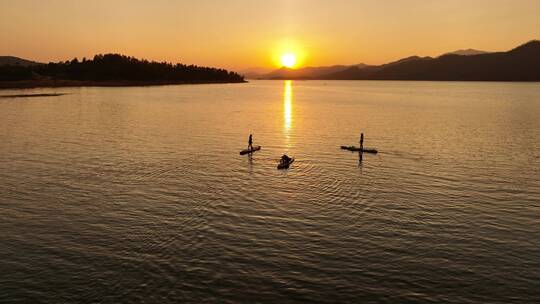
point(139, 194)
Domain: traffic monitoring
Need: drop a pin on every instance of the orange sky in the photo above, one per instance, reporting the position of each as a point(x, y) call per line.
point(240, 34)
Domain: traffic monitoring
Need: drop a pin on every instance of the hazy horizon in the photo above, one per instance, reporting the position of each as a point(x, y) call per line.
point(246, 34)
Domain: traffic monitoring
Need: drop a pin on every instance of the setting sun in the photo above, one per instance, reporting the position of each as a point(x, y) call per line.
point(288, 52)
point(288, 60)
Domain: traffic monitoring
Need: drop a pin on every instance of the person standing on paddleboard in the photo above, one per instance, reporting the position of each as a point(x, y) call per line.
point(361, 141)
point(250, 142)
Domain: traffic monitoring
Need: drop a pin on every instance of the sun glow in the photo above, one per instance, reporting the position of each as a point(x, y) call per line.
point(288, 60)
point(288, 53)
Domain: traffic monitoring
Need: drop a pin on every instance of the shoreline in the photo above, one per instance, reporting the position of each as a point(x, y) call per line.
point(25, 84)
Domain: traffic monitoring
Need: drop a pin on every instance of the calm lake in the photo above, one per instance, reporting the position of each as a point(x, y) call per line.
point(111, 195)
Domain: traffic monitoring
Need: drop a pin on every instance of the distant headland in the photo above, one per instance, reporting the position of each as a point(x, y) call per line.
point(107, 70)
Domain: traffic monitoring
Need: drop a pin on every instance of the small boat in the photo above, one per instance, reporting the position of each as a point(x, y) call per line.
point(247, 151)
point(285, 165)
point(355, 149)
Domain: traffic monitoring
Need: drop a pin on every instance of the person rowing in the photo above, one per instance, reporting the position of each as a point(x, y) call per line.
point(285, 159)
point(285, 162)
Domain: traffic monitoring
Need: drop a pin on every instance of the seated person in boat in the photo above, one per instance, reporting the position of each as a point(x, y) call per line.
point(285, 158)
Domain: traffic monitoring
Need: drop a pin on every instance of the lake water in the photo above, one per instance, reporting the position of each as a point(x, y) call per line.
point(140, 195)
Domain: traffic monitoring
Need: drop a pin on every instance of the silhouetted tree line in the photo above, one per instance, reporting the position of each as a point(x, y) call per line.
point(115, 67)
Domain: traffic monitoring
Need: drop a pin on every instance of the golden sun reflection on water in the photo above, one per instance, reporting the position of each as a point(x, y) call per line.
point(287, 105)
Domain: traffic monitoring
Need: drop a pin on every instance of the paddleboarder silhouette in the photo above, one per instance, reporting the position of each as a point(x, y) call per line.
point(250, 142)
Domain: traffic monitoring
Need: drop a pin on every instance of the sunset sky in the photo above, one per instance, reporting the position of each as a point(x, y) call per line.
point(239, 34)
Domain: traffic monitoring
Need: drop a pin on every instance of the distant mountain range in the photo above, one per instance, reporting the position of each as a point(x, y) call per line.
point(11, 60)
point(519, 64)
point(467, 52)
